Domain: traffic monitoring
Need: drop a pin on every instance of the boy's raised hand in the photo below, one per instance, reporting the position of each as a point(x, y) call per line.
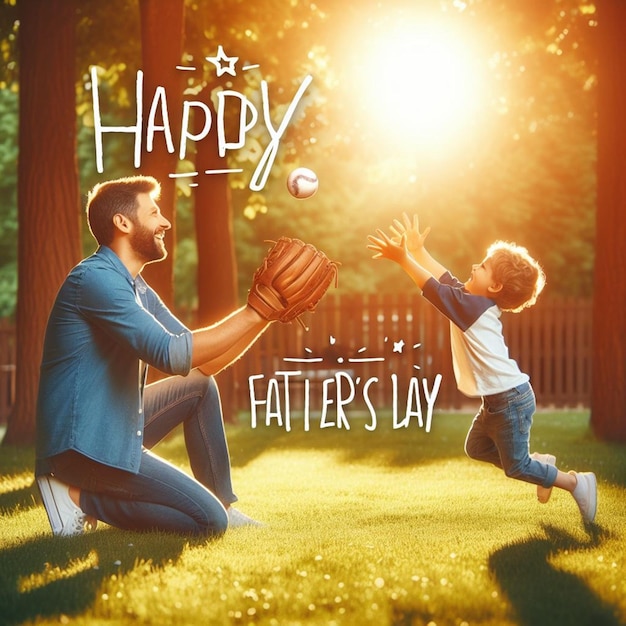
point(406, 248)
point(409, 228)
point(386, 248)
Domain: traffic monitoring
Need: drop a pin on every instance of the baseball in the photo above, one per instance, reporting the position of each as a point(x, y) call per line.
point(302, 183)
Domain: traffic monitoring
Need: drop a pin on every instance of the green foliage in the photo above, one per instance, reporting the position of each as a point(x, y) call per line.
point(523, 169)
point(383, 527)
point(8, 202)
point(8, 43)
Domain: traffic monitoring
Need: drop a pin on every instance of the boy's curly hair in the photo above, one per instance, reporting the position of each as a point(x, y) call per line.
point(521, 277)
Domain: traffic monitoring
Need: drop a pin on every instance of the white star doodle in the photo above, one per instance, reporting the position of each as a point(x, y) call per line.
point(228, 67)
point(398, 346)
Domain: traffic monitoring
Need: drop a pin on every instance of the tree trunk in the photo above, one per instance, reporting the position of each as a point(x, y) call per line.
point(48, 194)
point(608, 395)
point(217, 266)
point(162, 44)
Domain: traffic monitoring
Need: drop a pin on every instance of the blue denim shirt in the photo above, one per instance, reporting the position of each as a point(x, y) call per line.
point(102, 328)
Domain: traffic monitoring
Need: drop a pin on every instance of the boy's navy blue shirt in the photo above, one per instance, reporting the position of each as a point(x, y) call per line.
point(102, 328)
point(480, 356)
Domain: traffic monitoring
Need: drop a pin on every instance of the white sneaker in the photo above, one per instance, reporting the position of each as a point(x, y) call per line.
point(237, 519)
point(586, 494)
point(544, 493)
point(66, 519)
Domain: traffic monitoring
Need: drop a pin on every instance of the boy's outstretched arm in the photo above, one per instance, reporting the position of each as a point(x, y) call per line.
point(386, 248)
point(415, 243)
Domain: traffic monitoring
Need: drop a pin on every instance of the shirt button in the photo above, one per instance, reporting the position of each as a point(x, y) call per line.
point(138, 433)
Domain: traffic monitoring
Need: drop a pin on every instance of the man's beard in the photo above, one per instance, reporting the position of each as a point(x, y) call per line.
point(145, 244)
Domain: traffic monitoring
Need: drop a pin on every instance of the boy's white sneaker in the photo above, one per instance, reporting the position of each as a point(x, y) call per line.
point(586, 494)
point(66, 519)
point(237, 519)
point(544, 493)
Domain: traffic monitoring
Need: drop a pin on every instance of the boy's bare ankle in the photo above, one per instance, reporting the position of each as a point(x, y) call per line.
point(566, 481)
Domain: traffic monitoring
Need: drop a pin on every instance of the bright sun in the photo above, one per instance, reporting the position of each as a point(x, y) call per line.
point(423, 83)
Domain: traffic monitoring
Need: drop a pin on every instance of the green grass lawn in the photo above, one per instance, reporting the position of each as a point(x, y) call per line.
point(382, 527)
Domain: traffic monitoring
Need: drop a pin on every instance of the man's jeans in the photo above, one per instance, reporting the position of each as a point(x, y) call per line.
point(500, 434)
point(160, 496)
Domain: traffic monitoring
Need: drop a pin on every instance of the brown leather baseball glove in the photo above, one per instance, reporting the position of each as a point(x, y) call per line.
point(291, 280)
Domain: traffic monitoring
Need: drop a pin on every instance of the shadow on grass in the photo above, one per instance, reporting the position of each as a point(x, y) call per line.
point(565, 434)
point(51, 577)
point(543, 595)
point(18, 499)
point(400, 446)
point(54, 576)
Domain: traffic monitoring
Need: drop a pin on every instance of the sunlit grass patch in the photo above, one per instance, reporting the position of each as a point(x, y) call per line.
point(16, 482)
point(384, 527)
point(51, 574)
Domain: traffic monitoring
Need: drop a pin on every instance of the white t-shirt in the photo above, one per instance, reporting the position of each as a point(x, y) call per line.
point(480, 356)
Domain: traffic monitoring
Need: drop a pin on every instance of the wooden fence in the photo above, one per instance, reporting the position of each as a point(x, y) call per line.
point(386, 349)
point(397, 338)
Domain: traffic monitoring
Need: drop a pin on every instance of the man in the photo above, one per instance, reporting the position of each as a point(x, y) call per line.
point(95, 420)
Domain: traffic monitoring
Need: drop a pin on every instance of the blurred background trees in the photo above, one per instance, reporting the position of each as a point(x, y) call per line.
point(479, 115)
point(521, 166)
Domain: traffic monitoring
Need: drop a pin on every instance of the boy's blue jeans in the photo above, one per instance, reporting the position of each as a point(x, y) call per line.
point(500, 434)
point(161, 496)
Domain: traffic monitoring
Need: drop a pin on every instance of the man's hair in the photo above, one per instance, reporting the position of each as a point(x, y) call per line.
point(521, 277)
point(116, 196)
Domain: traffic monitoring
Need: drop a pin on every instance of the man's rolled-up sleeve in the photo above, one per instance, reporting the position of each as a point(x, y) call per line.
point(180, 353)
point(109, 303)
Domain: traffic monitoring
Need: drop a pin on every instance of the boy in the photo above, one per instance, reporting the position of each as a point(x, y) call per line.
point(508, 279)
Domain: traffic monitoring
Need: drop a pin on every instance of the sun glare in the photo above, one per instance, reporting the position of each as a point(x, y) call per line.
point(423, 83)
